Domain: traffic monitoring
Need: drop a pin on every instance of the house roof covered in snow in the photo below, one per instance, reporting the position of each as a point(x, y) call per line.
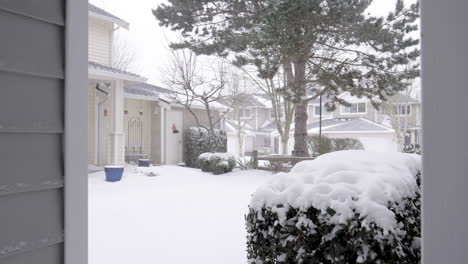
point(247, 100)
point(99, 70)
point(341, 125)
point(232, 126)
point(146, 91)
point(102, 14)
point(348, 125)
point(397, 98)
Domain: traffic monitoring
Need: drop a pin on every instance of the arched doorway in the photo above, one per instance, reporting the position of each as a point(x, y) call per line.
point(134, 142)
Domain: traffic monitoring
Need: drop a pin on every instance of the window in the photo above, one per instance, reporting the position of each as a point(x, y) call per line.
point(317, 111)
point(272, 114)
point(245, 113)
point(356, 108)
point(401, 110)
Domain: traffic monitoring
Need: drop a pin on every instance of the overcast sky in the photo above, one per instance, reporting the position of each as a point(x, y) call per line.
point(150, 41)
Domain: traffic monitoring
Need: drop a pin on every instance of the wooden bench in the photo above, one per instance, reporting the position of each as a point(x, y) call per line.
point(277, 163)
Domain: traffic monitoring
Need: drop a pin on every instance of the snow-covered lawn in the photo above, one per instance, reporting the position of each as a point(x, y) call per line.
point(181, 216)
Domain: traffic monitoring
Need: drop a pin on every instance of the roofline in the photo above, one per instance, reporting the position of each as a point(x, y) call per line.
point(358, 132)
point(106, 75)
point(375, 123)
point(141, 97)
point(119, 22)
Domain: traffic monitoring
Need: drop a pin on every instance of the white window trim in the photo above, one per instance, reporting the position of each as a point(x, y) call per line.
point(324, 113)
point(243, 113)
point(273, 117)
point(354, 114)
point(406, 105)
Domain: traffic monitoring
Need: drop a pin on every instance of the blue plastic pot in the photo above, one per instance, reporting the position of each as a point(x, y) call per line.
point(113, 173)
point(143, 163)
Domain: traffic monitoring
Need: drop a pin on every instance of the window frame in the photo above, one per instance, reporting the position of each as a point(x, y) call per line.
point(243, 115)
point(406, 107)
point(342, 112)
point(324, 113)
point(272, 116)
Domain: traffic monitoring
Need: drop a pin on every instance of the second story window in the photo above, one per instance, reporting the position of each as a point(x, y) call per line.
point(245, 113)
point(317, 111)
point(272, 114)
point(402, 110)
point(355, 108)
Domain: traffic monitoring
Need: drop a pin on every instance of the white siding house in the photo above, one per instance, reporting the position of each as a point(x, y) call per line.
point(128, 119)
point(100, 46)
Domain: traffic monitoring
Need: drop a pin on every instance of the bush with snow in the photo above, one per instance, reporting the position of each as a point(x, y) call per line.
point(327, 145)
point(345, 207)
point(198, 141)
point(217, 163)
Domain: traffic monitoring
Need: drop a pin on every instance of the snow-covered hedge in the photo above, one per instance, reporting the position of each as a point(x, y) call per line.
point(344, 207)
point(197, 141)
point(217, 163)
point(327, 145)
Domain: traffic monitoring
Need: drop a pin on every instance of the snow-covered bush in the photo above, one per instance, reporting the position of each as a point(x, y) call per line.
point(345, 207)
point(198, 141)
point(412, 148)
point(217, 163)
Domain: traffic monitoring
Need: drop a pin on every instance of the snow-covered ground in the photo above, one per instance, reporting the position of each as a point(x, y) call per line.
point(180, 216)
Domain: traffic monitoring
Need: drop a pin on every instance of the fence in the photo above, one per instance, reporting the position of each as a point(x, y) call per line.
point(276, 163)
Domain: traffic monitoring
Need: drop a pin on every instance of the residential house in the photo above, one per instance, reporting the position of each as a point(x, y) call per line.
point(376, 128)
point(128, 118)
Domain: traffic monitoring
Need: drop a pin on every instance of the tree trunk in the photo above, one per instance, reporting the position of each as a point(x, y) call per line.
point(284, 146)
point(300, 130)
point(211, 132)
point(300, 117)
point(240, 140)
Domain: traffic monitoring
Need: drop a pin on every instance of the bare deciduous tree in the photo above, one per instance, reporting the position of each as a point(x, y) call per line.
point(237, 97)
point(281, 105)
point(123, 55)
point(191, 86)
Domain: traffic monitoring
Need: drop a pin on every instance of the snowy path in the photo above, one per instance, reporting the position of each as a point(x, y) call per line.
point(182, 216)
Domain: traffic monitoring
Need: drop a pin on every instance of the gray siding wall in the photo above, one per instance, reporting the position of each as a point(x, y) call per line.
point(31, 131)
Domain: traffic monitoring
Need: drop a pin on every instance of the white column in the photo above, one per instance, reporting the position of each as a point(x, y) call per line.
point(163, 134)
point(116, 115)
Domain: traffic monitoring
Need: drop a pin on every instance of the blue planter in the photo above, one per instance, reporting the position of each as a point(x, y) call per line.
point(113, 173)
point(143, 163)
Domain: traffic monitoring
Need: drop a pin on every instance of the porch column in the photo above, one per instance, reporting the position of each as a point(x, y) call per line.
point(163, 134)
point(117, 118)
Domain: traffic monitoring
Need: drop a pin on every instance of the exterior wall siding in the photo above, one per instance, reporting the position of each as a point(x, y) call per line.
point(189, 120)
point(99, 45)
point(32, 57)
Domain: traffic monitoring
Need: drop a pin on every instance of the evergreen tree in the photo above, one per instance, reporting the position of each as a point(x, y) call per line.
point(324, 46)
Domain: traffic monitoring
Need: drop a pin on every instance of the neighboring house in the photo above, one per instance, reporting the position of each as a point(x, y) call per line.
point(251, 113)
point(129, 119)
point(375, 128)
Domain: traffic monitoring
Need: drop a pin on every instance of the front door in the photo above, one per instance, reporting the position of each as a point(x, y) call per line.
point(173, 137)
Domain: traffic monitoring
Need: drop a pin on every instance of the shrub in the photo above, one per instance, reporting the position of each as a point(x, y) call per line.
point(217, 163)
point(346, 144)
point(328, 145)
point(198, 141)
point(412, 149)
point(245, 164)
point(319, 147)
point(332, 211)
